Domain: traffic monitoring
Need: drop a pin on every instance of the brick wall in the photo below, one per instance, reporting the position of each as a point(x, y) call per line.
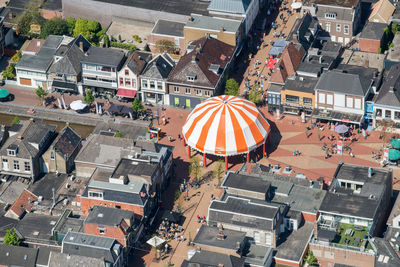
point(310, 217)
point(109, 231)
point(87, 203)
point(285, 263)
point(327, 256)
point(369, 45)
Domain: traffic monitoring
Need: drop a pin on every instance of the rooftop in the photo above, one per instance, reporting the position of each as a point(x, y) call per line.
point(373, 31)
point(394, 52)
point(57, 259)
point(246, 182)
point(339, 82)
point(213, 23)
point(107, 216)
point(340, 3)
point(131, 132)
point(206, 258)
point(67, 141)
point(34, 226)
point(104, 56)
point(363, 59)
point(170, 28)
point(301, 84)
point(142, 166)
point(359, 173)
point(34, 46)
point(17, 256)
point(208, 236)
point(159, 67)
point(184, 7)
point(136, 62)
point(295, 245)
point(230, 6)
point(389, 94)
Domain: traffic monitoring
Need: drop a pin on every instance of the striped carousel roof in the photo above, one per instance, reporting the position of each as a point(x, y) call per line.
point(225, 125)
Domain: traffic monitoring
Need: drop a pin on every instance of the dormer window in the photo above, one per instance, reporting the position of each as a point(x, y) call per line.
point(95, 194)
point(214, 68)
point(191, 77)
point(330, 15)
point(12, 150)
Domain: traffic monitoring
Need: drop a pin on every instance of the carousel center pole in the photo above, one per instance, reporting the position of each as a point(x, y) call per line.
point(264, 154)
point(188, 147)
point(248, 157)
point(226, 163)
point(204, 160)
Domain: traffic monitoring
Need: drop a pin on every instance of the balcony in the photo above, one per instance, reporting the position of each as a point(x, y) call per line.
point(99, 73)
point(99, 83)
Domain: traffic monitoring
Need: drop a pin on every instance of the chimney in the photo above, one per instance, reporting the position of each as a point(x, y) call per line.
point(220, 265)
point(190, 18)
point(391, 89)
point(38, 43)
point(221, 29)
point(194, 58)
point(81, 46)
point(19, 137)
point(320, 60)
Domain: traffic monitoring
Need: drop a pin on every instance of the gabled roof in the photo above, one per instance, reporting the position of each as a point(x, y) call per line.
point(159, 67)
point(17, 256)
point(104, 56)
point(23, 203)
point(206, 258)
point(389, 94)
point(339, 82)
point(137, 61)
point(206, 52)
point(373, 31)
point(67, 141)
point(100, 215)
point(382, 11)
point(230, 6)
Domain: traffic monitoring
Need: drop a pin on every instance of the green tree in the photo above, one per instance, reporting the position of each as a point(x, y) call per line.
point(15, 120)
point(11, 238)
point(71, 25)
point(165, 46)
point(15, 58)
point(55, 26)
point(93, 26)
point(232, 87)
point(137, 106)
point(255, 94)
point(119, 134)
point(9, 72)
point(81, 27)
point(106, 41)
point(41, 94)
point(311, 259)
point(219, 171)
point(88, 98)
point(195, 168)
point(30, 15)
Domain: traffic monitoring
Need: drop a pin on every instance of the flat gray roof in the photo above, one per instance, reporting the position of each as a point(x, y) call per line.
point(213, 23)
point(133, 187)
point(208, 235)
point(89, 240)
point(104, 56)
point(166, 27)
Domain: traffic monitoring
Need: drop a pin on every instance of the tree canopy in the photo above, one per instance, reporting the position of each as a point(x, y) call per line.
point(90, 29)
point(41, 93)
point(255, 94)
point(55, 26)
point(137, 106)
point(11, 238)
point(88, 98)
point(232, 87)
point(195, 168)
point(30, 15)
point(165, 46)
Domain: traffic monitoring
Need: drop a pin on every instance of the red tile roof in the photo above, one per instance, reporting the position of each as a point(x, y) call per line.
point(23, 203)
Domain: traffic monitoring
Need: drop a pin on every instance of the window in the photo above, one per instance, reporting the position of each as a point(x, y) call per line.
point(349, 102)
point(159, 86)
point(268, 239)
point(346, 29)
point(329, 99)
point(11, 152)
point(102, 230)
point(321, 98)
point(126, 72)
point(388, 114)
point(127, 82)
point(328, 27)
point(256, 237)
point(338, 28)
point(176, 41)
point(207, 93)
point(5, 164)
point(191, 78)
point(95, 194)
point(144, 83)
point(357, 103)
point(133, 83)
point(117, 206)
point(307, 101)
point(16, 165)
point(121, 81)
point(176, 89)
point(52, 156)
point(27, 166)
point(397, 115)
point(292, 99)
point(330, 15)
point(152, 85)
point(176, 101)
point(187, 91)
point(198, 92)
point(378, 112)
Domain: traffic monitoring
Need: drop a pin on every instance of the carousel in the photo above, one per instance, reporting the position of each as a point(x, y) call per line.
point(225, 126)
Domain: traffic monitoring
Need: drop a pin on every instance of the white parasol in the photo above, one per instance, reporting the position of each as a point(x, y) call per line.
point(297, 5)
point(63, 102)
point(59, 103)
point(155, 241)
point(77, 105)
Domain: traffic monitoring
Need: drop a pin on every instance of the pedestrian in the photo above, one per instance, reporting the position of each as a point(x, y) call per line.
point(307, 133)
point(319, 135)
point(176, 235)
point(166, 248)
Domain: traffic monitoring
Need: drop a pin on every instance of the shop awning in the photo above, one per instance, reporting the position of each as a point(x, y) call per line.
point(60, 85)
point(126, 93)
point(337, 116)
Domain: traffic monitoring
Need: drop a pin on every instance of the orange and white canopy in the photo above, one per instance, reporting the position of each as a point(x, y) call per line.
point(225, 125)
